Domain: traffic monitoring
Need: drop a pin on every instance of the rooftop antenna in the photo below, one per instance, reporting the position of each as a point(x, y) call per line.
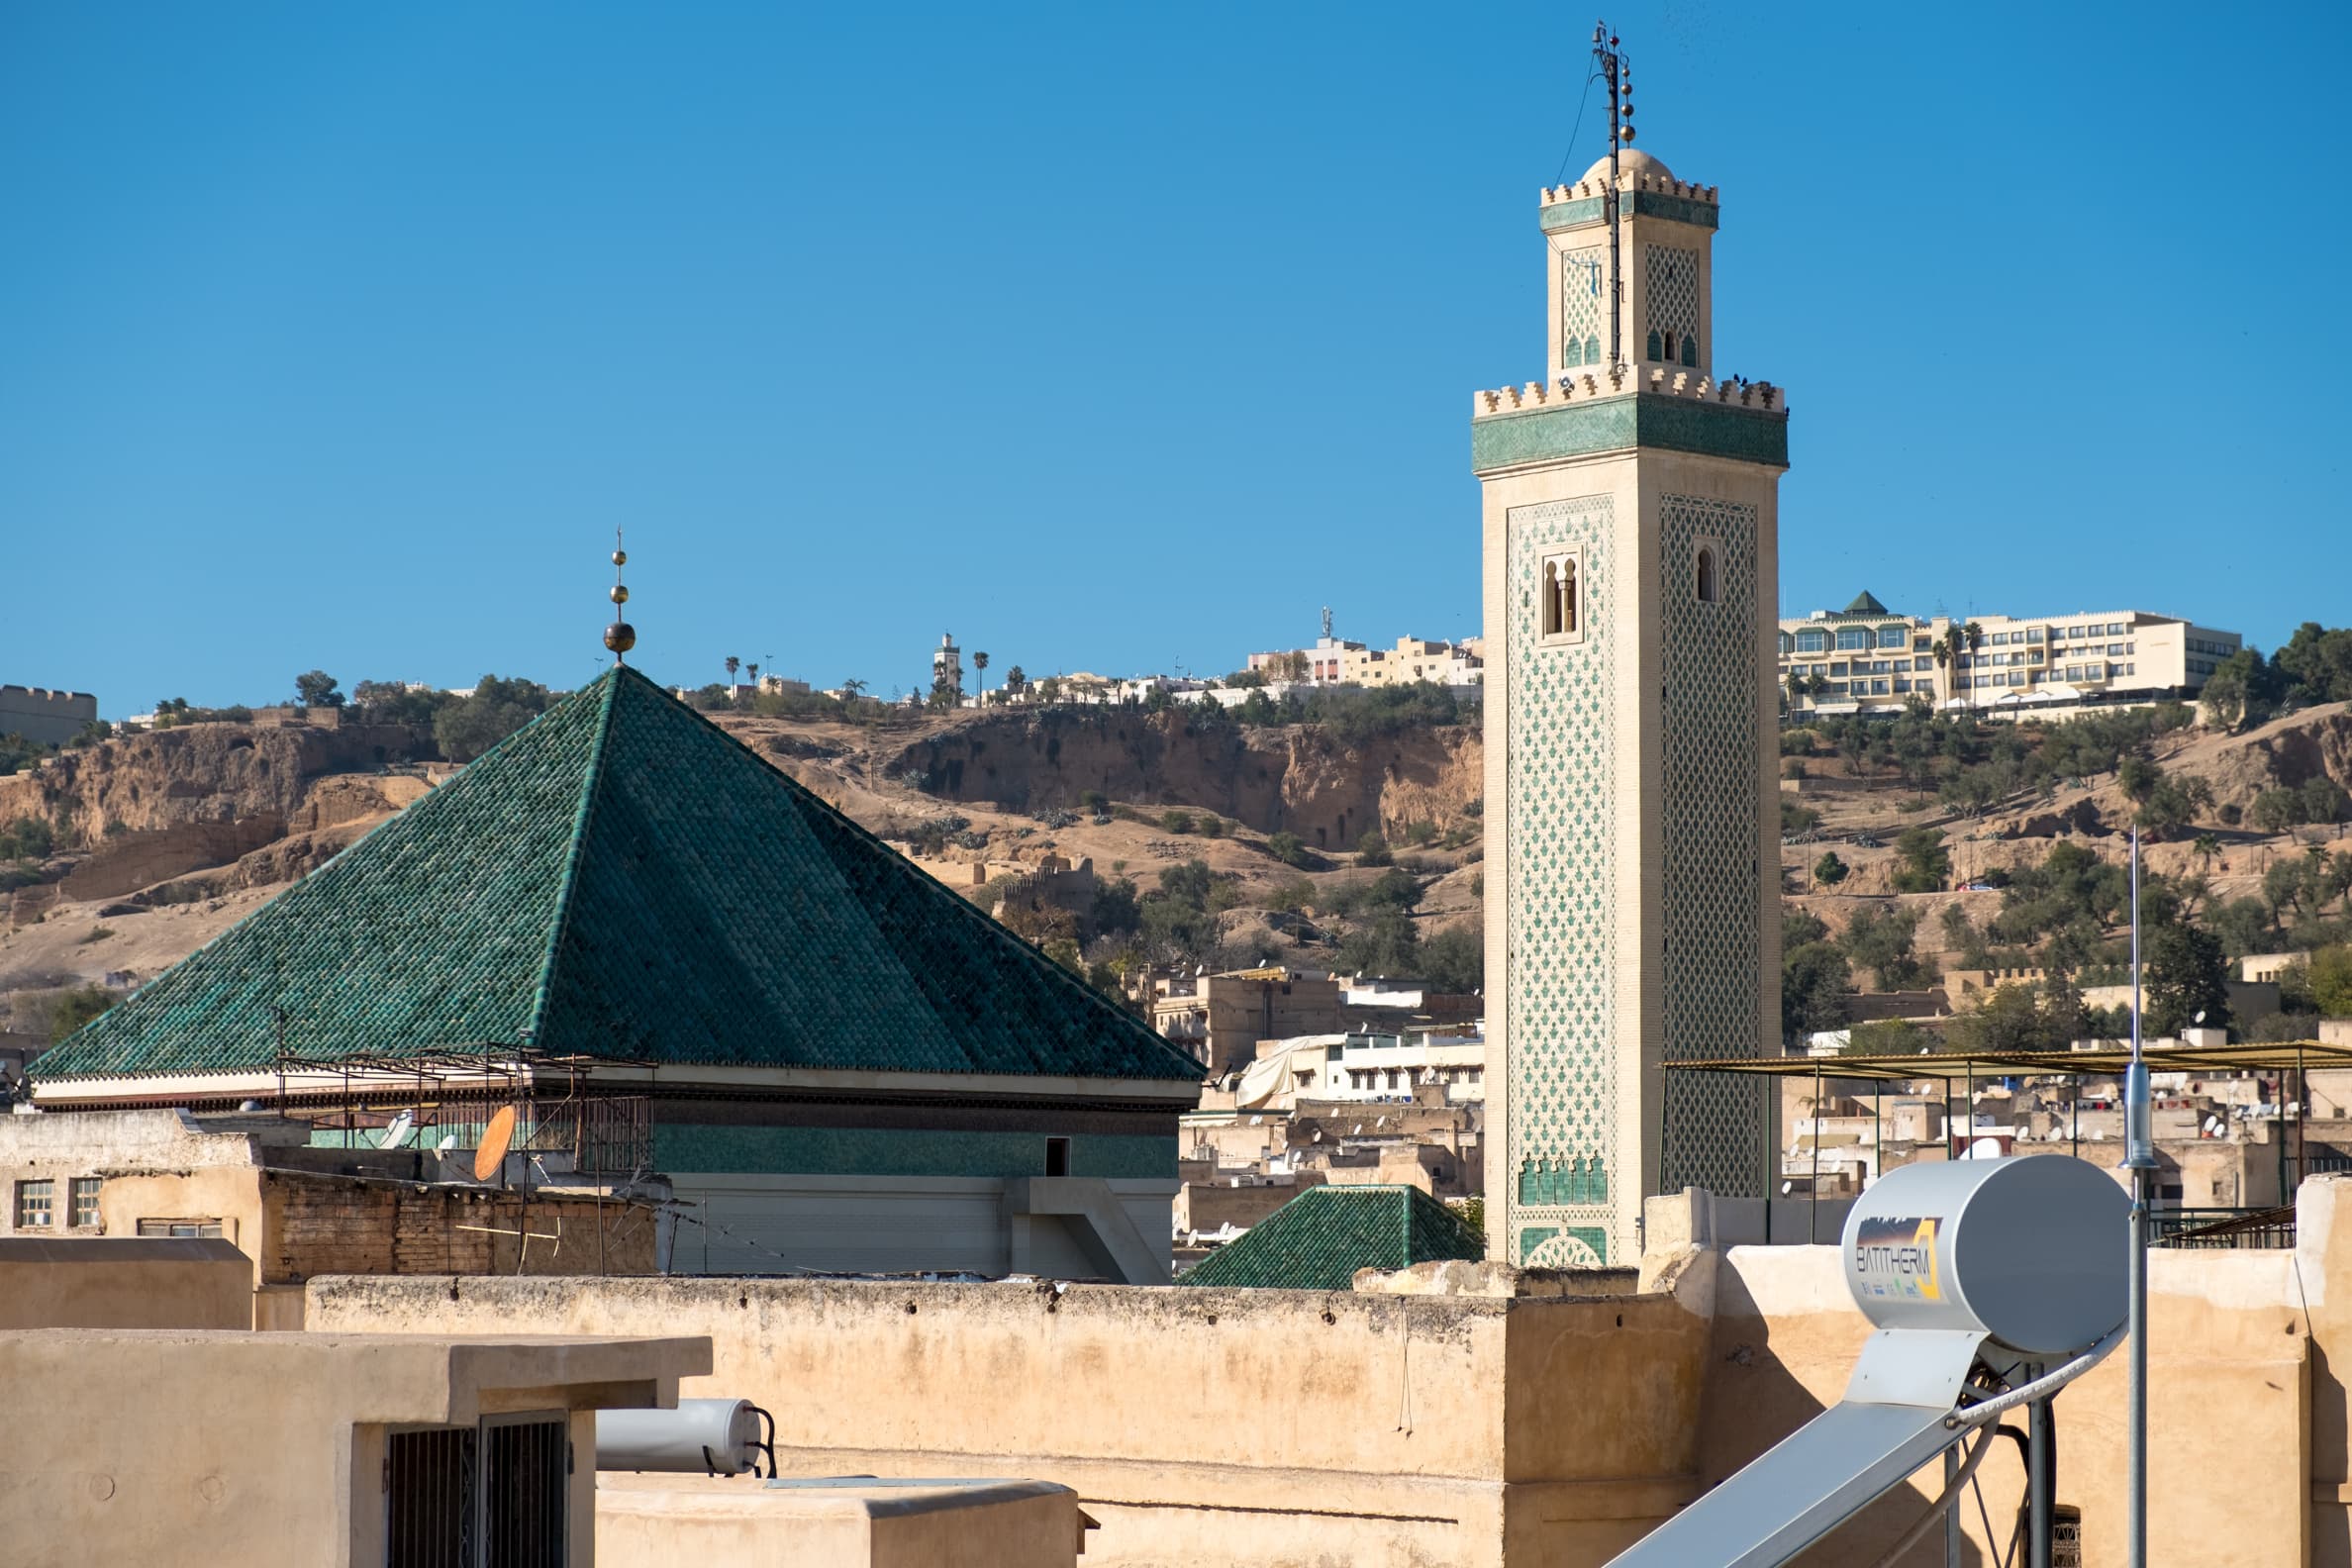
point(620, 636)
point(2140, 1157)
point(1620, 132)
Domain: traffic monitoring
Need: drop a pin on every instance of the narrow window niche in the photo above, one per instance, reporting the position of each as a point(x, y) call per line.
point(1706, 570)
point(1560, 598)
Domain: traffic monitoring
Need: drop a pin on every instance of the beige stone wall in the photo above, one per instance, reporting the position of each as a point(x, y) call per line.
point(111, 1283)
point(662, 1520)
point(1251, 1428)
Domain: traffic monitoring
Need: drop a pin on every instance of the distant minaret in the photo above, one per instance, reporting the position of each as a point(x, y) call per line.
point(620, 636)
point(1631, 562)
point(947, 665)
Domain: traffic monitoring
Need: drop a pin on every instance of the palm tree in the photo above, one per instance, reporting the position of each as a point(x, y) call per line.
point(1943, 664)
point(1974, 634)
point(2205, 848)
point(732, 664)
point(754, 671)
point(852, 689)
point(980, 677)
point(1015, 680)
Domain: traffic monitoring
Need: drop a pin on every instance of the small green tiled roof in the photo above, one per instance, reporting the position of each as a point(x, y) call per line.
point(1865, 603)
point(623, 879)
point(1320, 1238)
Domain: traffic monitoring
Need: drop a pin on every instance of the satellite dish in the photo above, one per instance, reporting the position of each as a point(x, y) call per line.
point(1984, 1148)
point(448, 1141)
point(398, 1133)
point(495, 1139)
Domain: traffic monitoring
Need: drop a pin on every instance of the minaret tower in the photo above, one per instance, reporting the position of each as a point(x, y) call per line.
point(1630, 527)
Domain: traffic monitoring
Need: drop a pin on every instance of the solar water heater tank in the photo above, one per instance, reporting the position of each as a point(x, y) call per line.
point(702, 1436)
point(2032, 1251)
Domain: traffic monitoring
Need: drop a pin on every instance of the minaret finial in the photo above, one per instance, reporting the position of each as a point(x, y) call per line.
point(620, 636)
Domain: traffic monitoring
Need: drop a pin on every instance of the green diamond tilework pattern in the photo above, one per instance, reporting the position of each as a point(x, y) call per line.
point(1671, 274)
point(1562, 1132)
point(1320, 1238)
point(1584, 277)
point(1712, 887)
point(627, 881)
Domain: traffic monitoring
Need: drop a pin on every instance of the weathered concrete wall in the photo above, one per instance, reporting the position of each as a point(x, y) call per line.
point(1259, 1428)
point(115, 1283)
point(266, 1450)
point(49, 717)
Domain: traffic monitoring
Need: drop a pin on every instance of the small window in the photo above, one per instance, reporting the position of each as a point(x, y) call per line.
point(36, 1205)
point(1690, 349)
point(1707, 574)
point(1561, 585)
point(1668, 355)
point(1657, 347)
point(179, 1229)
point(84, 1192)
point(1057, 1156)
point(1813, 641)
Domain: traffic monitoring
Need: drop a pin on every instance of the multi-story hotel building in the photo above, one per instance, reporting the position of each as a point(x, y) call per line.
point(1866, 658)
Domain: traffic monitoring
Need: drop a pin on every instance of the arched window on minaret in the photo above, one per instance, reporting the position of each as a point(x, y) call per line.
point(1668, 355)
point(1657, 350)
point(1593, 351)
point(1560, 609)
point(1707, 575)
point(1690, 349)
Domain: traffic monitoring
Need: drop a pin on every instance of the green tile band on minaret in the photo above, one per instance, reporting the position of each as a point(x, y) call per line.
point(1629, 539)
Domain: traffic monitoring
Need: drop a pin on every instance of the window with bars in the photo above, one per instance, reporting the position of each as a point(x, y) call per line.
point(493, 1496)
point(36, 1205)
point(83, 1191)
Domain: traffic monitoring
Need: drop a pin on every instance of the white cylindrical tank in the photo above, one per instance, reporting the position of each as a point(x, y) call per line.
point(2033, 1251)
point(700, 1436)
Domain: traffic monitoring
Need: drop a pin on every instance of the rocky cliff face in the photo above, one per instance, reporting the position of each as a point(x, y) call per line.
point(1298, 779)
point(199, 773)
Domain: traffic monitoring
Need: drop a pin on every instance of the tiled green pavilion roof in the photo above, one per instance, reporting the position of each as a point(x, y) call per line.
point(1320, 1238)
point(1865, 604)
point(621, 879)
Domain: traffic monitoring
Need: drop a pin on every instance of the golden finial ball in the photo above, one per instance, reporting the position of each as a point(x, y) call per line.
point(620, 636)
point(620, 593)
point(620, 558)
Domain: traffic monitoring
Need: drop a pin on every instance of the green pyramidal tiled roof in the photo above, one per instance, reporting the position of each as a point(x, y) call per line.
point(1320, 1238)
point(623, 879)
point(1865, 603)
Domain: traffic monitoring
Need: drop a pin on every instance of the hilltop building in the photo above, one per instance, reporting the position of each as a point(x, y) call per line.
point(1630, 537)
point(621, 920)
point(46, 718)
point(1866, 658)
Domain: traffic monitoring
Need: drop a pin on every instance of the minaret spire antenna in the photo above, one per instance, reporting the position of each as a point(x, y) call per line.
point(620, 636)
point(1612, 63)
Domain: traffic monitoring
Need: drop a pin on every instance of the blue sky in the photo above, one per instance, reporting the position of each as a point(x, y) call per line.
point(1110, 338)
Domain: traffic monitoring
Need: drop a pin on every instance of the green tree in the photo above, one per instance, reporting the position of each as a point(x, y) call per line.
point(1922, 860)
point(1882, 944)
point(1288, 849)
point(1454, 960)
point(468, 727)
point(1888, 1038)
point(1373, 851)
point(1828, 871)
point(980, 675)
point(2187, 973)
point(316, 689)
point(77, 1008)
point(392, 702)
point(2277, 810)
point(1015, 680)
point(1814, 985)
point(2330, 980)
point(1176, 820)
point(2009, 1020)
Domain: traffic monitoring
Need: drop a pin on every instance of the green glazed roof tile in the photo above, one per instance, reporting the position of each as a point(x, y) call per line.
point(1320, 1238)
point(627, 881)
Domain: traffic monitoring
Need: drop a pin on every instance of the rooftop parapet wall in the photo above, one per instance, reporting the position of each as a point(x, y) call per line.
point(1643, 194)
point(48, 717)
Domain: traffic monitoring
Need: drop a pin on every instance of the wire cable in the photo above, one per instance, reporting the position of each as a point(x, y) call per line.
point(1935, 1510)
point(1562, 176)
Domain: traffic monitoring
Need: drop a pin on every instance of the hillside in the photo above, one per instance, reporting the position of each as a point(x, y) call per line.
point(117, 861)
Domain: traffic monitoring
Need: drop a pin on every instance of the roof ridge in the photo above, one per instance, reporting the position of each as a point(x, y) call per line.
point(582, 819)
point(995, 929)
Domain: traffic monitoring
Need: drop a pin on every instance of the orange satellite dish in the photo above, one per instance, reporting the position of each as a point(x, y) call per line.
point(495, 1139)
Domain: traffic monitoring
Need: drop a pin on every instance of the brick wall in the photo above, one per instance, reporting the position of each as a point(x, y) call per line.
point(335, 1224)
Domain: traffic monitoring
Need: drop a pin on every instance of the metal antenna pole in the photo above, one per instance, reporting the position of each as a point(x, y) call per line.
point(1621, 131)
point(2139, 1150)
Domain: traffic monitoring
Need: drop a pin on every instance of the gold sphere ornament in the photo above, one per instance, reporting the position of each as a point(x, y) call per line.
point(620, 636)
point(620, 593)
point(620, 558)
